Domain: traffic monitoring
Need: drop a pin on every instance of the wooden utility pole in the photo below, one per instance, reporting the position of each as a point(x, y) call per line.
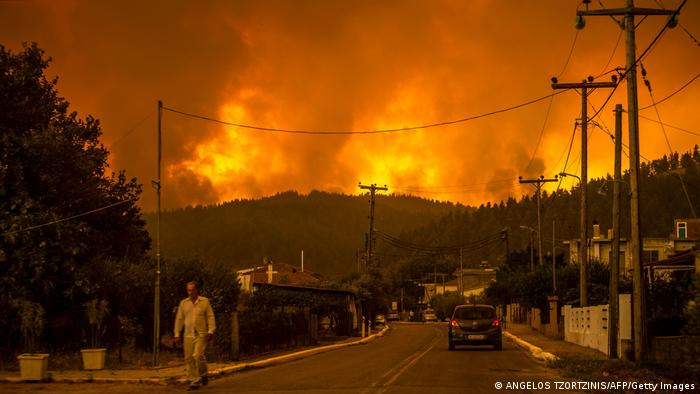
point(156, 296)
point(538, 184)
point(628, 23)
point(614, 308)
point(370, 234)
point(585, 85)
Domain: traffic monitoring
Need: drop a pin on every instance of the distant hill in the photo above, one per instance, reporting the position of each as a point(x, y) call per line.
point(330, 228)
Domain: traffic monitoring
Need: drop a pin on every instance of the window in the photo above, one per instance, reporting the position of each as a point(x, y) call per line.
point(475, 313)
point(681, 230)
point(649, 256)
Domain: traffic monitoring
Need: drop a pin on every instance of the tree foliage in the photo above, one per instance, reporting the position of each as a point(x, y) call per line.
point(52, 168)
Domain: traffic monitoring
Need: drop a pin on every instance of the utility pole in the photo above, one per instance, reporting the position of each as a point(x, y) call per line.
point(554, 256)
point(538, 184)
point(628, 23)
point(156, 298)
point(504, 235)
point(585, 85)
point(370, 235)
point(461, 277)
point(613, 324)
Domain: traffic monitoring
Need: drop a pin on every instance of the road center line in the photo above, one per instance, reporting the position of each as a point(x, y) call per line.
point(407, 364)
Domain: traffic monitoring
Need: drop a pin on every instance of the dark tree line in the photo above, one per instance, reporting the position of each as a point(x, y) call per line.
point(329, 228)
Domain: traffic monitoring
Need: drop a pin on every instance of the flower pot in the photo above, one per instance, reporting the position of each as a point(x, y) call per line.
point(33, 367)
point(93, 358)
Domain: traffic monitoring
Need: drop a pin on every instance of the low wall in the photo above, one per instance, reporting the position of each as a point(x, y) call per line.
point(588, 326)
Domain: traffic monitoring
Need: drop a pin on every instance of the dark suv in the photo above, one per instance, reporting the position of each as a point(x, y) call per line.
point(474, 324)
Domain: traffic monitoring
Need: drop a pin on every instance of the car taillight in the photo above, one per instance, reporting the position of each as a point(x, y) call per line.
point(455, 324)
point(495, 323)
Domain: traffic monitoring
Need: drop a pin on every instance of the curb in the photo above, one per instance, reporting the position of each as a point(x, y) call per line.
point(535, 351)
point(221, 372)
point(217, 373)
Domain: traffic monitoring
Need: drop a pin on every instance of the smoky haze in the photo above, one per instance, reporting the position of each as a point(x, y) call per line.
point(364, 65)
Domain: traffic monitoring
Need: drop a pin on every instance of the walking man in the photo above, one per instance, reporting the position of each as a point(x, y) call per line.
point(197, 318)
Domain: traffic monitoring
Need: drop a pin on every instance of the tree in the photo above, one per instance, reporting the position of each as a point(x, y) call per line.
point(61, 214)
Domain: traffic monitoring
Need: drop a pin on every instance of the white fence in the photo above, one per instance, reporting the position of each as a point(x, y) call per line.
point(588, 326)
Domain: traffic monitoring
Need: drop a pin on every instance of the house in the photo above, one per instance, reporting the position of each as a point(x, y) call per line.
point(475, 280)
point(686, 236)
point(276, 273)
point(343, 312)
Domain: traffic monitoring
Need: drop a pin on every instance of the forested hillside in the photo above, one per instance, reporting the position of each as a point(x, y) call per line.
point(662, 199)
point(330, 228)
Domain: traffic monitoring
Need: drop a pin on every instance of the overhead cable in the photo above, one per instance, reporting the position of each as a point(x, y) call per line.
point(346, 132)
point(69, 218)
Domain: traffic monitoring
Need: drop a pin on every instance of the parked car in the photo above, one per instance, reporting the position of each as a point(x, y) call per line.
point(429, 315)
point(380, 320)
point(475, 324)
point(391, 316)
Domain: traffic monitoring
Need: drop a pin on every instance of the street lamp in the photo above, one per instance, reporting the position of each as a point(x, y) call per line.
point(532, 250)
point(563, 174)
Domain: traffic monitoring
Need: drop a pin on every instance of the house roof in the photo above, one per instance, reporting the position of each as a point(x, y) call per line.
point(306, 288)
point(686, 257)
point(282, 274)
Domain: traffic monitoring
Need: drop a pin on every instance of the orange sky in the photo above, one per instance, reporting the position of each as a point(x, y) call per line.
point(351, 65)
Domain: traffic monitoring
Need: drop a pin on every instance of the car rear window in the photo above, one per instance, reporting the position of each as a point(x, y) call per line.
point(475, 313)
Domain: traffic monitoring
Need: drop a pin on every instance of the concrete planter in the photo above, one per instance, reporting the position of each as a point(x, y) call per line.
point(93, 359)
point(33, 367)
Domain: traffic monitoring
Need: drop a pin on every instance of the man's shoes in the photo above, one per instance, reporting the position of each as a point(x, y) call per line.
point(193, 387)
point(205, 380)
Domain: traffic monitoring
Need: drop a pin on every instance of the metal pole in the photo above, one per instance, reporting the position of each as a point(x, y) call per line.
point(635, 238)
point(554, 257)
point(615, 263)
point(583, 248)
point(532, 252)
point(156, 302)
point(461, 277)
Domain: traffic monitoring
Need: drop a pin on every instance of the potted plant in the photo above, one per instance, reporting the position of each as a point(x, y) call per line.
point(94, 357)
point(33, 366)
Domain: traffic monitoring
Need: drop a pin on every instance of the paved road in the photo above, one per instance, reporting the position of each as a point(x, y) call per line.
point(411, 358)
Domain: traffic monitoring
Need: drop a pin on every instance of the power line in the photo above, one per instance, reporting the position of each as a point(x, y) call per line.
point(571, 144)
point(506, 183)
point(571, 51)
point(131, 130)
point(681, 25)
point(428, 249)
point(346, 132)
point(69, 218)
point(617, 43)
point(539, 140)
point(672, 94)
point(690, 35)
point(668, 142)
point(672, 126)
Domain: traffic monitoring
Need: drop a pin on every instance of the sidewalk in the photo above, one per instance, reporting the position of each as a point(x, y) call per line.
point(545, 348)
point(540, 346)
point(176, 374)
